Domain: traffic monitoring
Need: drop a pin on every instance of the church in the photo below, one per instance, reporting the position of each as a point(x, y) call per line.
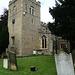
point(27, 34)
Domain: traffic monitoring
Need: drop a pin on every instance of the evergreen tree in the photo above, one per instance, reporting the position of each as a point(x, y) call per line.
point(4, 36)
point(64, 20)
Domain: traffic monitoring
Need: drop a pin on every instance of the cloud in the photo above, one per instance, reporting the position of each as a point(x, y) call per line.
point(3, 4)
point(45, 15)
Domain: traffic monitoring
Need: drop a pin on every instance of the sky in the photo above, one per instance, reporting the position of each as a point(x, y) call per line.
point(45, 4)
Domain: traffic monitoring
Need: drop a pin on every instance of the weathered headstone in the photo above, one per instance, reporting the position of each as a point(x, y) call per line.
point(13, 61)
point(64, 64)
point(5, 63)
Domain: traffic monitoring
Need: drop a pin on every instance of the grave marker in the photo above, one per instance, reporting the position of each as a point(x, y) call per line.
point(5, 63)
point(13, 61)
point(64, 64)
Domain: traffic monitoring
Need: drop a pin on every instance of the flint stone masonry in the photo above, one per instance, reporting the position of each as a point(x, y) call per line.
point(64, 64)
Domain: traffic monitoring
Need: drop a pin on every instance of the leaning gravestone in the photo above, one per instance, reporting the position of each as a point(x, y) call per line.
point(64, 64)
point(13, 61)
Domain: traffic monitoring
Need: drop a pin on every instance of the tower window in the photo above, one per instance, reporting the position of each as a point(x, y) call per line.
point(31, 10)
point(32, 39)
point(44, 42)
point(32, 21)
point(14, 10)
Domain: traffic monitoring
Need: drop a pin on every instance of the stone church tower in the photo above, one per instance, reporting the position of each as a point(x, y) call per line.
point(23, 24)
point(26, 32)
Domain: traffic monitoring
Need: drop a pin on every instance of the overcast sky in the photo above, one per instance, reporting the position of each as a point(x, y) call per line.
point(45, 4)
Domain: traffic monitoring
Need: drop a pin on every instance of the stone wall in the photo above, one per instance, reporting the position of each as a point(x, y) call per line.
point(30, 36)
point(24, 32)
point(14, 29)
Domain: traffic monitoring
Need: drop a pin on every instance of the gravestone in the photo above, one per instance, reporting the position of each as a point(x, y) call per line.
point(13, 61)
point(5, 63)
point(64, 64)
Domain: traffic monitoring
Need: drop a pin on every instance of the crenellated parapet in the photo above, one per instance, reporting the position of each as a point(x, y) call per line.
point(36, 2)
point(33, 1)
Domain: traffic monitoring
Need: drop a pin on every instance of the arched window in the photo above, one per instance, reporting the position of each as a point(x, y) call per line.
point(44, 42)
point(14, 11)
point(31, 10)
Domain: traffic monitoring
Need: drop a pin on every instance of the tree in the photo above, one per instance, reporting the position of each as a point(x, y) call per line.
point(4, 35)
point(64, 20)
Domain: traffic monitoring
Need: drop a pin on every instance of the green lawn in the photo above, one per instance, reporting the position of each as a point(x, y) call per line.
point(44, 66)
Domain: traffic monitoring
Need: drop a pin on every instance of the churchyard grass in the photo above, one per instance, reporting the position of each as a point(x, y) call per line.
point(44, 66)
point(31, 55)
